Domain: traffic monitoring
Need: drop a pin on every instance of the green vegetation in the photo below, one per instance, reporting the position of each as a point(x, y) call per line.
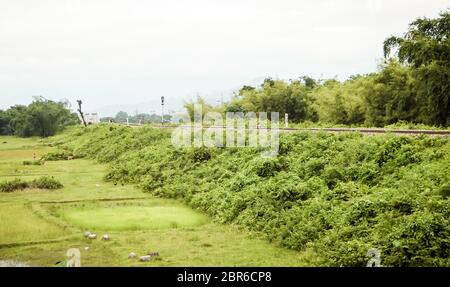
point(59, 155)
point(13, 185)
point(336, 195)
point(140, 215)
point(412, 85)
point(425, 49)
point(325, 198)
point(41, 118)
point(34, 228)
point(20, 224)
point(142, 118)
point(33, 162)
point(400, 125)
point(43, 182)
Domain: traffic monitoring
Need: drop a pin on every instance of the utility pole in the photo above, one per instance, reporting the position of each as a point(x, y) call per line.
point(81, 113)
point(162, 110)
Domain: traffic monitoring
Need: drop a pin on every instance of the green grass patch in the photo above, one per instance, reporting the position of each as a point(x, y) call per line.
point(19, 224)
point(122, 216)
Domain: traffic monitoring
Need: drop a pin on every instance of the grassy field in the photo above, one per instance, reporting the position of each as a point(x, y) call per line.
point(38, 227)
point(155, 214)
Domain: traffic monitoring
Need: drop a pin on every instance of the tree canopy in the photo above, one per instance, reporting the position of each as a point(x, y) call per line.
point(425, 48)
point(41, 118)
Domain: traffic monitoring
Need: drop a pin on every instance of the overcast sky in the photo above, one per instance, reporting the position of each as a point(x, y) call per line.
point(122, 52)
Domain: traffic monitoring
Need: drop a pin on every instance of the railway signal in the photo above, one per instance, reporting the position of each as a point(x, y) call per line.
point(162, 110)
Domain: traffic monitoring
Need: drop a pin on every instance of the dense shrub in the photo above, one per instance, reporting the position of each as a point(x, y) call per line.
point(43, 182)
point(57, 155)
point(34, 162)
point(13, 185)
point(335, 194)
point(46, 182)
point(201, 154)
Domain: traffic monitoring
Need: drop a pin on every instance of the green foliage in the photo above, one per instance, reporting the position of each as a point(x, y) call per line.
point(43, 182)
point(341, 103)
point(5, 128)
point(414, 87)
point(275, 96)
point(41, 118)
point(391, 97)
point(143, 118)
point(337, 194)
point(404, 125)
point(58, 155)
point(445, 190)
point(189, 106)
point(201, 154)
point(426, 48)
point(13, 185)
point(34, 162)
point(267, 167)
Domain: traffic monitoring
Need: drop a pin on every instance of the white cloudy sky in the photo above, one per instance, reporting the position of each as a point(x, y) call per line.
point(118, 52)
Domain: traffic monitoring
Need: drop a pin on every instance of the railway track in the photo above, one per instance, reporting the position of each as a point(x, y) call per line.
point(369, 131)
point(375, 131)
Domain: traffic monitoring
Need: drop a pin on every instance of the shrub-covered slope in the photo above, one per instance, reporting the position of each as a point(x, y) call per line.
point(334, 194)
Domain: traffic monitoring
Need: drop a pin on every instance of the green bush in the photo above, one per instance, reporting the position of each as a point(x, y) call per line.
point(43, 182)
point(59, 155)
point(13, 185)
point(46, 182)
point(34, 162)
point(445, 190)
point(267, 167)
point(201, 154)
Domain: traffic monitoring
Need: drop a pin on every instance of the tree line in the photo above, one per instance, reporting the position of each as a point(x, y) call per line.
point(142, 118)
point(412, 84)
point(40, 118)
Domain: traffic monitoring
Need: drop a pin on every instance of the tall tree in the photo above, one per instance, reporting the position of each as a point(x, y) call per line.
point(206, 107)
point(391, 97)
point(426, 49)
point(121, 117)
point(41, 118)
